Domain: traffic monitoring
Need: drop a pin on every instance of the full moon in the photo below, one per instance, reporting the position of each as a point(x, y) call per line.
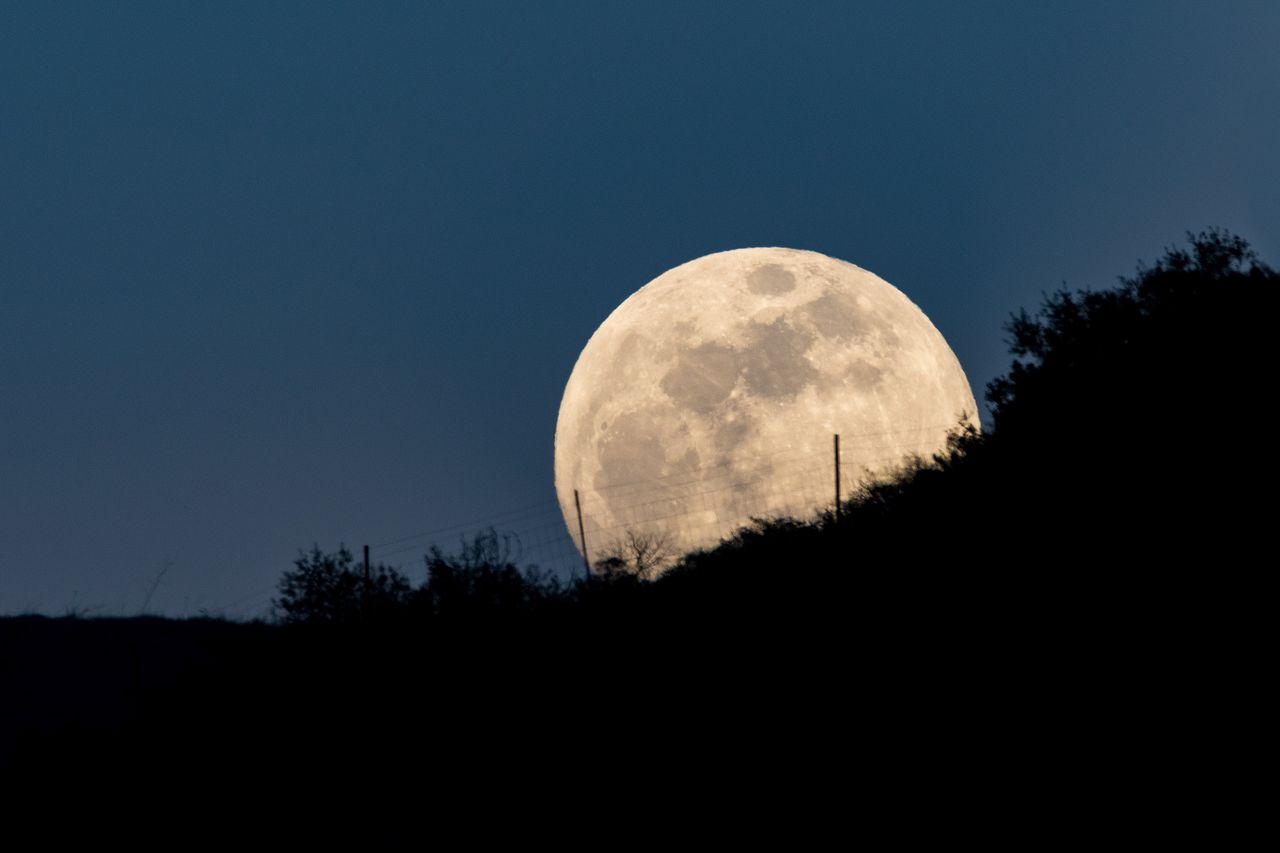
point(711, 396)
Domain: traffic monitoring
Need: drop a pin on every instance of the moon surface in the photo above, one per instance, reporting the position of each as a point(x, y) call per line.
point(711, 395)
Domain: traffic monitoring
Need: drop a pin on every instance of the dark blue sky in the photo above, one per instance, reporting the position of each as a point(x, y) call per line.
point(275, 274)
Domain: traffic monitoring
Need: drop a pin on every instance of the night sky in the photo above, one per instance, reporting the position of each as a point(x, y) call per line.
point(282, 274)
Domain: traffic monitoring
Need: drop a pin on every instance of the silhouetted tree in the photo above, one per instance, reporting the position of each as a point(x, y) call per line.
point(642, 554)
point(1171, 347)
point(1128, 424)
point(330, 588)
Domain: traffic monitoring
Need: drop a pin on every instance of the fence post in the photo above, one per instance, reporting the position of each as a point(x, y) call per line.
point(582, 535)
point(837, 448)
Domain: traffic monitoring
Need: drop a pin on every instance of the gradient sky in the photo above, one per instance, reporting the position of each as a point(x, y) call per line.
point(281, 274)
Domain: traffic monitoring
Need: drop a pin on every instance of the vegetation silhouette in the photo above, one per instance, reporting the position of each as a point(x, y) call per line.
point(639, 554)
point(1129, 412)
point(329, 588)
point(1087, 549)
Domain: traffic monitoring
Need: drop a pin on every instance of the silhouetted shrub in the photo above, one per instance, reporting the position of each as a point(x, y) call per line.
point(642, 554)
point(329, 588)
point(1129, 413)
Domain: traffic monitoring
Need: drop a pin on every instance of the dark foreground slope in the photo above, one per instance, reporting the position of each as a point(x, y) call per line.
point(839, 702)
point(70, 677)
point(801, 681)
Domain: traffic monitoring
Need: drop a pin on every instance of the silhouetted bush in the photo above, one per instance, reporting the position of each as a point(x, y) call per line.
point(482, 578)
point(329, 588)
point(1133, 413)
point(1139, 360)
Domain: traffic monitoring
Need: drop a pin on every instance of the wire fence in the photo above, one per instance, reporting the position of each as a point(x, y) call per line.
point(699, 509)
point(688, 509)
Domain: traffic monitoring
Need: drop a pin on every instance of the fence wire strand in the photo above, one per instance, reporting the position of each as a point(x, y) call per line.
point(699, 504)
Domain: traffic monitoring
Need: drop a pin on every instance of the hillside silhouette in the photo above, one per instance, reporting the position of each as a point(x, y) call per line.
point(961, 621)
